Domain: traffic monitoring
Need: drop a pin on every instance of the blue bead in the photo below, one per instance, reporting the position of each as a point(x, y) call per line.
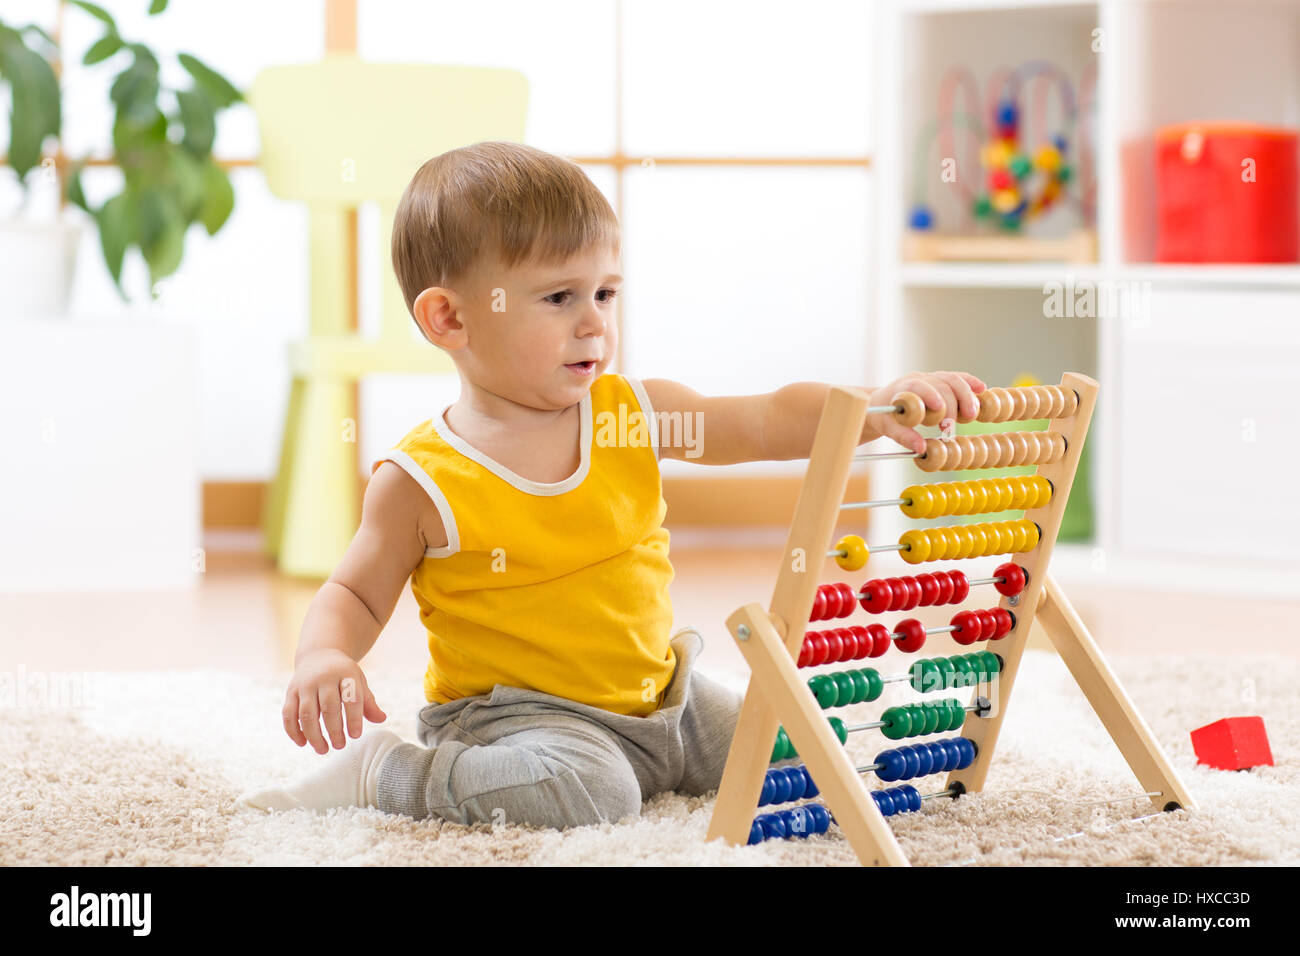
point(892, 765)
point(967, 748)
point(910, 758)
point(809, 788)
point(820, 815)
point(1007, 112)
point(796, 777)
point(945, 755)
point(769, 788)
point(1059, 142)
point(924, 758)
point(797, 823)
point(920, 218)
point(907, 799)
point(773, 826)
point(756, 833)
point(885, 801)
point(781, 786)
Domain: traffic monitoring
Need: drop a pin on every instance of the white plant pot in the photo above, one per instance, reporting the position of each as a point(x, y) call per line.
point(37, 263)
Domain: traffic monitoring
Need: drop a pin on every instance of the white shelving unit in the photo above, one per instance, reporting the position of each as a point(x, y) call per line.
point(1200, 367)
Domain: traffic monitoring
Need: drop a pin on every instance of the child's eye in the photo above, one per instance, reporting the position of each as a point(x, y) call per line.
point(612, 294)
point(557, 298)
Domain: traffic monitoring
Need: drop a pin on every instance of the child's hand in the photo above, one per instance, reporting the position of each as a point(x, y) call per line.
point(954, 392)
point(328, 684)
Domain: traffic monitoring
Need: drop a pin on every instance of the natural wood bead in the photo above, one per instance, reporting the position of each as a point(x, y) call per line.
point(1039, 448)
point(1018, 401)
point(979, 451)
point(936, 453)
point(1057, 402)
point(913, 409)
point(1020, 448)
point(933, 416)
point(968, 445)
point(1044, 395)
point(1071, 403)
point(990, 405)
point(1001, 446)
point(1004, 405)
point(1031, 401)
point(1058, 447)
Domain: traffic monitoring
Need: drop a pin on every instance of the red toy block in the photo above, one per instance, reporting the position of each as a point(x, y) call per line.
point(1234, 743)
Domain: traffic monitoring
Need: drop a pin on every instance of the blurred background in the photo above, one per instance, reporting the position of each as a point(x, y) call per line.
point(194, 274)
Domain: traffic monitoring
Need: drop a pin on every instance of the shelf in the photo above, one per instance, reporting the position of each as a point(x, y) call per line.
point(995, 275)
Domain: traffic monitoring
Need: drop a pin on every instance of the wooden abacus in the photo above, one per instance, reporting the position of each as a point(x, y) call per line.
point(781, 706)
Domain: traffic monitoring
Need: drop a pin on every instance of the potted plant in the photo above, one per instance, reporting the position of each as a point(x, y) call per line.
point(37, 251)
point(162, 142)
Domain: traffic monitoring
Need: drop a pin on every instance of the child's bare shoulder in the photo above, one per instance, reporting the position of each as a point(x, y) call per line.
point(400, 500)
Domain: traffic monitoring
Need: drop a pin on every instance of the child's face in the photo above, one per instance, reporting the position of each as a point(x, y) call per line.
point(519, 331)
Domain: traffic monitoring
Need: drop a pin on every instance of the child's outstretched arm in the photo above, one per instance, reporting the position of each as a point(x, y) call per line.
point(780, 425)
point(348, 613)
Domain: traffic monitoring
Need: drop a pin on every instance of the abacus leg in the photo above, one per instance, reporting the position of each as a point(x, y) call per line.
point(1118, 715)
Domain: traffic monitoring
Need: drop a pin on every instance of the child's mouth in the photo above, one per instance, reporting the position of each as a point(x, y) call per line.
point(581, 367)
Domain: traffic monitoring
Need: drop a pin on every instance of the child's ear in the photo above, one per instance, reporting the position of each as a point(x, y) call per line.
point(434, 311)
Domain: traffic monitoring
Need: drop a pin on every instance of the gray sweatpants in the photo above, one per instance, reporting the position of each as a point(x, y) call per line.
point(521, 756)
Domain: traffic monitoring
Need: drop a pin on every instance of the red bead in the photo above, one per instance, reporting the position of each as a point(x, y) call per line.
point(876, 596)
point(929, 589)
point(988, 625)
point(960, 587)
point(897, 593)
point(834, 646)
point(1000, 179)
point(819, 606)
point(861, 642)
point(1015, 578)
point(880, 639)
point(819, 650)
point(968, 627)
point(848, 643)
point(1005, 621)
point(848, 600)
point(806, 649)
point(945, 587)
point(913, 632)
point(913, 588)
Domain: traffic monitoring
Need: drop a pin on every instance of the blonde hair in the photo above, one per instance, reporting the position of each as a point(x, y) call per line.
point(494, 199)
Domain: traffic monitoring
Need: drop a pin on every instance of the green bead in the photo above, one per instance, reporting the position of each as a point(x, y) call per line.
point(943, 715)
point(931, 717)
point(947, 672)
point(1065, 172)
point(917, 676)
point(994, 665)
point(898, 723)
point(958, 714)
point(841, 731)
point(875, 686)
point(965, 674)
point(843, 688)
point(824, 690)
point(1019, 167)
point(982, 206)
point(860, 686)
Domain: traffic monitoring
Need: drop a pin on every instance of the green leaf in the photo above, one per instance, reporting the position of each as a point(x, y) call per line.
point(218, 198)
point(199, 119)
point(185, 180)
point(72, 187)
point(152, 211)
point(135, 91)
point(102, 48)
point(99, 13)
point(214, 84)
point(158, 6)
point(165, 252)
point(33, 28)
point(35, 109)
point(116, 230)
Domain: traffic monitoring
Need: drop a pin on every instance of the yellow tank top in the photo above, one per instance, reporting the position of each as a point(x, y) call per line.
point(557, 587)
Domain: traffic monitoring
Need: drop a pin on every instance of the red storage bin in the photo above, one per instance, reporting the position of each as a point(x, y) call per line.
point(1212, 206)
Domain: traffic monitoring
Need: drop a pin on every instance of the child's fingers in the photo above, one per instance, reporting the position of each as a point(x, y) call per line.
point(967, 406)
point(331, 712)
point(309, 720)
point(372, 711)
point(290, 715)
point(353, 692)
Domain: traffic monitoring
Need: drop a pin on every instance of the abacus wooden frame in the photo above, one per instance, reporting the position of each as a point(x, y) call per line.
point(770, 641)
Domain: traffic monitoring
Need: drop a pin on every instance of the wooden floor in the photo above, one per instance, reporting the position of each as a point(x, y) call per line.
point(242, 615)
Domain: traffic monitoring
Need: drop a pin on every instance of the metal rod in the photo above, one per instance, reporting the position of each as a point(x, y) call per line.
point(875, 504)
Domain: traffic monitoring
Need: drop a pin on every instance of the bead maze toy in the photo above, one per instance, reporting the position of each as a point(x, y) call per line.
point(781, 706)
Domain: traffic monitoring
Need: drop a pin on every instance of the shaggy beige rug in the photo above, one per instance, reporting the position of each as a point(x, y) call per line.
point(145, 770)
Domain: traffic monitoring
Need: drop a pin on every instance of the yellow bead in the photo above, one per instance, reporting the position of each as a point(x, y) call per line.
point(921, 498)
point(938, 544)
point(1031, 532)
point(1044, 492)
point(965, 498)
point(1004, 537)
point(995, 155)
point(1048, 158)
point(981, 539)
point(917, 546)
point(1021, 536)
point(979, 491)
point(1006, 493)
point(965, 541)
point(1019, 494)
point(854, 552)
point(1005, 200)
